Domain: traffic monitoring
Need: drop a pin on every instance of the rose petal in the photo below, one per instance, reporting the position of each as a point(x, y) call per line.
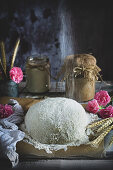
point(107, 112)
point(102, 97)
point(92, 106)
point(16, 74)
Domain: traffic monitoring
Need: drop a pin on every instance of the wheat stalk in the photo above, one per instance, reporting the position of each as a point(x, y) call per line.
point(2, 69)
point(1, 63)
point(3, 56)
point(106, 124)
point(100, 122)
point(99, 139)
point(15, 52)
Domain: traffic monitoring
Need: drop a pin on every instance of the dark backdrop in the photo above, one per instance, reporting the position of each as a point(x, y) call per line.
point(57, 28)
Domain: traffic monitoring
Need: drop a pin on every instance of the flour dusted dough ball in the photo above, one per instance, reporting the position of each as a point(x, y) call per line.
point(57, 121)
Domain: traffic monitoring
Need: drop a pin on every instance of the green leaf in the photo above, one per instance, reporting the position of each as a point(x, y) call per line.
point(100, 107)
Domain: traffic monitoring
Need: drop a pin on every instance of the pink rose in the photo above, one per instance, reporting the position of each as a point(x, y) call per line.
point(8, 110)
point(92, 106)
point(102, 97)
point(16, 74)
point(107, 112)
point(1, 109)
point(5, 110)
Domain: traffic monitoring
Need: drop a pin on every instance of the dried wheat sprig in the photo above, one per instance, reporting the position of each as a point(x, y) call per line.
point(3, 56)
point(2, 69)
point(15, 52)
point(106, 124)
point(97, 123)
point(99, 139)
point(1, 63)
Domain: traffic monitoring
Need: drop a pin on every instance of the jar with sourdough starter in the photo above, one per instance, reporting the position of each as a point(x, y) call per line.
point(37, 74)
point(80, 73)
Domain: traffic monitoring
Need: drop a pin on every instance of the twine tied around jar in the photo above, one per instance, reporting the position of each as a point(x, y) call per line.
point(37, 74)
point(79, 72)
point(82, 65)
point(87, 72)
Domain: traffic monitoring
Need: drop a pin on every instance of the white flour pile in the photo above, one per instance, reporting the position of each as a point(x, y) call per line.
point(56, 123)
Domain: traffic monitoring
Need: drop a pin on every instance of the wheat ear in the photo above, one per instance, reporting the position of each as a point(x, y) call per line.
point(106, 124)
point(3, 56)
point(99, 139)
point(97, 123)
point(2, 69)
point(15, 52)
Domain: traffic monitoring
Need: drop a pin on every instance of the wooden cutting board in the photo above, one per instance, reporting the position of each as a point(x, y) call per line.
point(24, 102)
point(27, 149)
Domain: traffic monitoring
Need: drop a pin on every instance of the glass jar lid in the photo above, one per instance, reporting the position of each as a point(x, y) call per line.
point(37, 61)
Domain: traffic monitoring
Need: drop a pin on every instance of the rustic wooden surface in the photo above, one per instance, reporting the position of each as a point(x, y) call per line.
point(24, 102)
point(28, 154)
point(76, 163)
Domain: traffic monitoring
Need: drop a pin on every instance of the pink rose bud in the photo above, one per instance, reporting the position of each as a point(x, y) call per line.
point(5, 110)
point(16, 74)
point(107, 112)
point(92, 106)
point(102, 97)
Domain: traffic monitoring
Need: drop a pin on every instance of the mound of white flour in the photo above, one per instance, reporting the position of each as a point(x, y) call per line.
point(57, 121)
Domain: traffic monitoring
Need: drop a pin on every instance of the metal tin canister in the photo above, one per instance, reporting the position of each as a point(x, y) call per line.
point(37, 75)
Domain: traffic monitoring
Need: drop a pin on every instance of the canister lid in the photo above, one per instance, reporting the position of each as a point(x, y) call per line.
point(37, 61)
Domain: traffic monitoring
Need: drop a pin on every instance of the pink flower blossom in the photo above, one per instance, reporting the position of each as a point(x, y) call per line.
point(92, 106)
point(107, 112)
point(16, 74)
point(5, 110)
point(102, 97)
point(1, 109)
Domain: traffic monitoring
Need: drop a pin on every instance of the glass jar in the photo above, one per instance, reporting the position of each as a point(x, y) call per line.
point(37, 74)
point(80, 88)
point(80, 74)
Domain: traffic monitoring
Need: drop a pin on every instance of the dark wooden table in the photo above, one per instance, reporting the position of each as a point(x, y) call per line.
point(82, 164)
